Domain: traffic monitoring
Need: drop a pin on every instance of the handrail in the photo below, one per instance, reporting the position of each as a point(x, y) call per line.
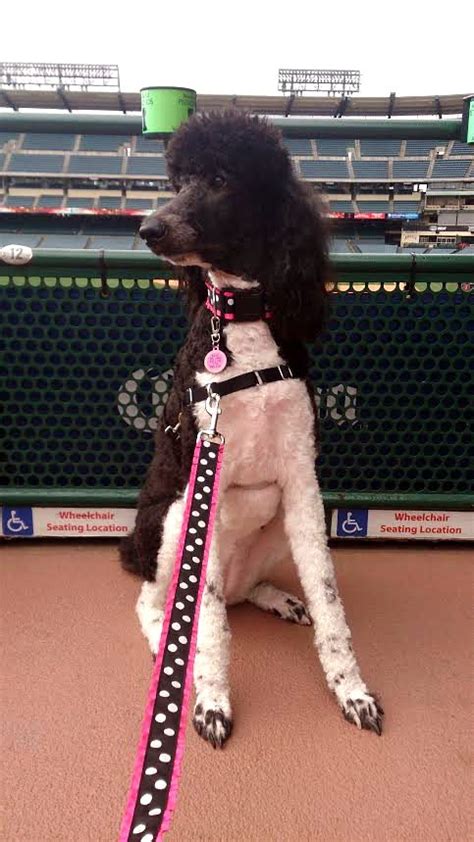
point(350, 127)
point(124, 498)
point(78, 260)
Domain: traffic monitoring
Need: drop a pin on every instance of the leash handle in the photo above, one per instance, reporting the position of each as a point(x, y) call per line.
point(154, 787)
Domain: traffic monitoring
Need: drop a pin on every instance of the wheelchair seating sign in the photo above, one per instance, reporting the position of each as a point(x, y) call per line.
point(424, 525)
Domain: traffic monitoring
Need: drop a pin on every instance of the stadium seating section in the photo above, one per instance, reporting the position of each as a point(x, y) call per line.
point(119, 173)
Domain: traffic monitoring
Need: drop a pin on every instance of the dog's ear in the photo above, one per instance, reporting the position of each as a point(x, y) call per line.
point(193, 282)
point(296, 288)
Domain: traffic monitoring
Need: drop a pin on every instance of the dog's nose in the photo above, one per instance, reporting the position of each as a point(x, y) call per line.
point(152, 229)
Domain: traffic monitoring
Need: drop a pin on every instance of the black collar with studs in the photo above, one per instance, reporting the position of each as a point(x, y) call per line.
point(237, 305)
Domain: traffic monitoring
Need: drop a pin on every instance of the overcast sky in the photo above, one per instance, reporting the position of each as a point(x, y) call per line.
point(236, 47)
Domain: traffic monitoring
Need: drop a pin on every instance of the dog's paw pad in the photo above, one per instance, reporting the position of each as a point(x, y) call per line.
point(212, 725)
point(295, 612)
point(364, 711)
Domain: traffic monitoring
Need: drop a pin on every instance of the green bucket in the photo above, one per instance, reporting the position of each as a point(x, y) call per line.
point(164, 109)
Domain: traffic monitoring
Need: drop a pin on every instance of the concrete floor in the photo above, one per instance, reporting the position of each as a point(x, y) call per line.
point(76, 673)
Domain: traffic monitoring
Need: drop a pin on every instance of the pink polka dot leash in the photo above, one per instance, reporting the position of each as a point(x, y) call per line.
point(154, 787)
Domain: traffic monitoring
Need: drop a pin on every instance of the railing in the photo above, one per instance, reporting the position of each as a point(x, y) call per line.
point(90, 339)
point(80, 123)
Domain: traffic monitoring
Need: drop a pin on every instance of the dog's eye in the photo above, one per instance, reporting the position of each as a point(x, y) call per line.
point(219, 181)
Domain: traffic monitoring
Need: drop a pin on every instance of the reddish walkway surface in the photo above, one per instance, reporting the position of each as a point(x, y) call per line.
point(77, 672)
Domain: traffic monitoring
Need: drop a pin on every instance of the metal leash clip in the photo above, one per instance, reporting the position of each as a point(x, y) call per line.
point(213, 409)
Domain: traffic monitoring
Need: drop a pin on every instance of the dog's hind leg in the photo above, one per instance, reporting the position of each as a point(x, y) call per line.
point(151, 602)
point(269, 598)
point(212, 713)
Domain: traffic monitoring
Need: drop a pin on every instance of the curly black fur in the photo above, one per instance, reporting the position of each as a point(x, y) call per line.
point(239, 208)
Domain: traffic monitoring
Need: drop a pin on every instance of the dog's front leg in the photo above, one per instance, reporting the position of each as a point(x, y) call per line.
point(152, 600)
point(305, 526)
point(212, 713)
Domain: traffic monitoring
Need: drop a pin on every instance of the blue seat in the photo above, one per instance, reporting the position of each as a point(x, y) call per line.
point(56, 142)
point(462, 149)
point(63, 241)
point(143, 144)
point(149, 165)
point(103, 142)
point(370, 169)
point(324, 169)
point(20, 201)
point(110, 202)
point(336, 148)
point(95, 164)
point(422, 147)
point(451, 168)
point(36, 164)
point(49, 201)
point(298, 146)
point(80, 201)
point(370, 148)
point(410, 169)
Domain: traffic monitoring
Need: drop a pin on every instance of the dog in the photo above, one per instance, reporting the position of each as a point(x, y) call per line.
point(242, 222)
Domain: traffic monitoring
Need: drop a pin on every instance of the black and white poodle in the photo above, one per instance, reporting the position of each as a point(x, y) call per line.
point(254, 236)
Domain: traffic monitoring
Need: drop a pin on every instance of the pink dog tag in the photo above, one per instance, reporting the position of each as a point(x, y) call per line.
point(215, 361)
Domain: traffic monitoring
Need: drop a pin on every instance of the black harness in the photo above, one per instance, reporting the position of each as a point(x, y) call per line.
point(241, 381)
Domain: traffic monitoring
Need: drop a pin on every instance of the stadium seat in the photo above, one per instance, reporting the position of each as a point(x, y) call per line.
point(110, 202)
point(406, 207)
point(56, 142)
point(451, 169)
point(410, 169)
point(324, 169)
point(49, 201)
point(149, 166)
point(63, 241)
point(422, 147)
point(338, 246)
point(368, 247)
point(341, 205)
point(18, 239)
point(334, 148)
point(95, 164)
point(373, 207)
point(110, 242)
point(139, 204)
point(5, 137)
point(370, 169)
point(19, 201)
point(369, 148)
point(143, 144)
point(298, 146)
point(461, 149)
point(36, 164)
point(80, 201)
point(102, 142)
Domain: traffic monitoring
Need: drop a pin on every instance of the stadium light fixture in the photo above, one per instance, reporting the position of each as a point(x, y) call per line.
point(333, 82)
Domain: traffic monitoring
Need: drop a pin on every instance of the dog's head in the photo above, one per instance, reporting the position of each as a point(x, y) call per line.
point(240, 209)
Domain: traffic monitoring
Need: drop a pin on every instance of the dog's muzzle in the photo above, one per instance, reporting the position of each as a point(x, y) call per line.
point(153, 231)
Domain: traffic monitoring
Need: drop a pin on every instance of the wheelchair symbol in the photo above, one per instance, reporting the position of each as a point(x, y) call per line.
point(15, 524)
point(350, 526)
point(352, 523)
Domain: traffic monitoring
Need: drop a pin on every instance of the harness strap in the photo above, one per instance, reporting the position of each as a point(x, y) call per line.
point(242, 381)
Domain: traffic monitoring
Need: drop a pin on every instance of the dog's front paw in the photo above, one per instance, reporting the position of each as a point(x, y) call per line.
point(213, 725)
point(363, 710)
